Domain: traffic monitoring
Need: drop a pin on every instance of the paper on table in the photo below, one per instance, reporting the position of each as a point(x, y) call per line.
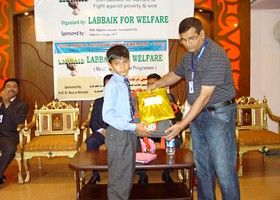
point(145, 157)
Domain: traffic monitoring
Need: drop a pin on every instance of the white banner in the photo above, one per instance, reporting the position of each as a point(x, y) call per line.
point(79, 67)
point(95, 20)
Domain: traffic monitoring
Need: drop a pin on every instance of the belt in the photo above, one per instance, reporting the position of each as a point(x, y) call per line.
point(215, 106)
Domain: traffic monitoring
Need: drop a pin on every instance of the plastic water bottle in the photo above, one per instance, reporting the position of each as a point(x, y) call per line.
point(170, 147)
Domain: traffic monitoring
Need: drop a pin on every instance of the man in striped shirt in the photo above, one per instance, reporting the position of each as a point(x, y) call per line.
point(211, 92)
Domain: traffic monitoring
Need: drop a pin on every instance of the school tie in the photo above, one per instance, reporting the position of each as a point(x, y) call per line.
point(130, 99)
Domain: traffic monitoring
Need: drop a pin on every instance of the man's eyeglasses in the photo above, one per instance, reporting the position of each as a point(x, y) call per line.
point(190, 39)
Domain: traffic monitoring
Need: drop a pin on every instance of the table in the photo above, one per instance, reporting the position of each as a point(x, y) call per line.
point(97, 160)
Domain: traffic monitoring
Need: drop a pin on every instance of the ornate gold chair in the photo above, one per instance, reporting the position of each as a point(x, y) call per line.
point(252, 132)
point(56, 133)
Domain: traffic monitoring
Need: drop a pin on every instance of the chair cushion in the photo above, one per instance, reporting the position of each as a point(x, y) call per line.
point(258, 137)
point(51, 143)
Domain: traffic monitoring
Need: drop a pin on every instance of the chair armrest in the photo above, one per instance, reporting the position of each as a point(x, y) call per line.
point(273, 117)
point(28, 127)
point(75, 124)
point(20, 129)
point(85, 129)
point(85, 125)
point(76, 131)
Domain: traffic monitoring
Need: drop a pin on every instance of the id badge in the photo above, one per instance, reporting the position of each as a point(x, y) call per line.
point(1, 118)
point(191, 90)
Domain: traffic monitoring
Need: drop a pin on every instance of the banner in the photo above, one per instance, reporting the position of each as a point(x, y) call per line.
point(95, 20)
point(79, 67)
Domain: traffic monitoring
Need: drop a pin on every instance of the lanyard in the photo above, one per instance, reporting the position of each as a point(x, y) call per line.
point(200, 53)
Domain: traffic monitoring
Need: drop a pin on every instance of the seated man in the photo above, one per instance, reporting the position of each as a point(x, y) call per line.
point(143, 178)
point(98, 127)
point(13, 112)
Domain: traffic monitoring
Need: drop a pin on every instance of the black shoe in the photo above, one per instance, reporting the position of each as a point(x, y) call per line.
point(94, 180)
point(143, 180)
point(167, 178)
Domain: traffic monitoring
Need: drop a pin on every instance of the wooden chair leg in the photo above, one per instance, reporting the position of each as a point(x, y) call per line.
point(240, 170)
point(19, 163)
point(180, 175)
point(40, 162)
point(82, 176)
point(26, 167)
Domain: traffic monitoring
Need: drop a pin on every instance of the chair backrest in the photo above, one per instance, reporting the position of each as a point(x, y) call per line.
point(57, 118)
point(251, 113)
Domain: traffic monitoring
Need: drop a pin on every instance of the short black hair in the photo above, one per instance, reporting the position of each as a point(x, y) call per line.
point(188, 23)
point(117, 52)
point(11, 80)
point(154, 75)
point(107, 77)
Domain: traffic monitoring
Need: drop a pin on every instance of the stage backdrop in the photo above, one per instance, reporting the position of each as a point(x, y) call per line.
point(83, 30)
point(79, 67)
point(88, 20)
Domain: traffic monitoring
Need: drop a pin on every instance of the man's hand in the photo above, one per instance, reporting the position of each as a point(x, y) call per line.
point(152, 87)
point(141, 130)
point(6, 97)
point(173, 131)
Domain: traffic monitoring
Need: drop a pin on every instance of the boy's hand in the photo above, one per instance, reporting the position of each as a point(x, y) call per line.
point(141, 130)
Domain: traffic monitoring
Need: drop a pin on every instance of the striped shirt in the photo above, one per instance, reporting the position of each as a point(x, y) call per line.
point(212, 69)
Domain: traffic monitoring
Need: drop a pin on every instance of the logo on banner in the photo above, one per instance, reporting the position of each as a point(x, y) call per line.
point(74, 4)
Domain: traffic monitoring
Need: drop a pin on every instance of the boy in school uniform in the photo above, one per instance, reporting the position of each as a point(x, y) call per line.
point(121, 136)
